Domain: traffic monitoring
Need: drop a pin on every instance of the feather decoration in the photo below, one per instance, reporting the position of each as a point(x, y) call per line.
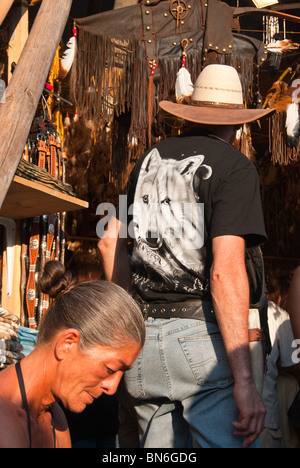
point(292, 124)
point(183, 87)
point(280, 47)
point(68, 56)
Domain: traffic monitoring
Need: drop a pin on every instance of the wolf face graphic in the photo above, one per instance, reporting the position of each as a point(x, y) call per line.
point(168, 223)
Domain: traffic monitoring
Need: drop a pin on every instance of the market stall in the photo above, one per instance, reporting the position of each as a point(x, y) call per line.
point(136, 65)
point(86, 108)
point(79, 106)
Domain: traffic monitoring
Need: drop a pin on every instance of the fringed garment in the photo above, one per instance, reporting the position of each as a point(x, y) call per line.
point(111, 73)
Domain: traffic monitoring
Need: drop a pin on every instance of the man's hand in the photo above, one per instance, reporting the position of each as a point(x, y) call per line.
point(252, 413)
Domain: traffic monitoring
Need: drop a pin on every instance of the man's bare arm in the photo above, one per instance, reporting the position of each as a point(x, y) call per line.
point(230, 292)
point(113, 251)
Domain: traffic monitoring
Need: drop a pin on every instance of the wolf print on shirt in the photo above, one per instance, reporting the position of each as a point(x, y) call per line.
point(168, 224)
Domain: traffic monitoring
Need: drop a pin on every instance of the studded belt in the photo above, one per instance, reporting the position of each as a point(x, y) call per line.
point(194, 309)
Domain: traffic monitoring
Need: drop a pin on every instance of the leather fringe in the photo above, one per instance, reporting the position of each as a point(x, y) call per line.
point(150, 108)
point(111, 77)
point(102, 75)
point(281, 153)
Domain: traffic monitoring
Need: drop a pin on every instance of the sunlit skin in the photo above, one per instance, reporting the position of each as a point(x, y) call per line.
point(60, 371)
point(96, 372)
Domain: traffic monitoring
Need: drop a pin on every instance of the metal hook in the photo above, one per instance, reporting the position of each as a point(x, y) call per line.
point(184, 45)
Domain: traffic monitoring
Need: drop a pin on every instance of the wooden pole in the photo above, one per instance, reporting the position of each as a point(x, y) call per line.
point(18, 19)
point(124, 3)
point(265, 12)
point(26, 86)
point(4, 9)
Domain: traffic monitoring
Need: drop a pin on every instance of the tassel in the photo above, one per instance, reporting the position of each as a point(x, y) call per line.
point(151, 102)
point(67, 121)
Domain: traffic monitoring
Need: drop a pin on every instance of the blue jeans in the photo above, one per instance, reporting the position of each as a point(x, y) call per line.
point(182, 387)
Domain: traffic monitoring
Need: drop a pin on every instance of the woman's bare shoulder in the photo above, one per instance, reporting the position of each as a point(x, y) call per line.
point(12, 433)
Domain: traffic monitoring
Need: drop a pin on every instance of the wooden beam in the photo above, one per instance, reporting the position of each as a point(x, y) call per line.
point(285, 7)
point(18, 19)
point(265, 12)
point(4, 9)
point(26, 86)
point(124, 3)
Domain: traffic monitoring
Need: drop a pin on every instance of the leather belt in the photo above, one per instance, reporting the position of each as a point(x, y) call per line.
point(194, 309)
point(34, 246)
point(42, 152)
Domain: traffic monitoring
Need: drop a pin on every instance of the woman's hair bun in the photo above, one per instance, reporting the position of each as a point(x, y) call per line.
point(54, 279)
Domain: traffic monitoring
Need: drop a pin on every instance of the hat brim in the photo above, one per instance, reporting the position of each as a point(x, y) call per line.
point(214, 115)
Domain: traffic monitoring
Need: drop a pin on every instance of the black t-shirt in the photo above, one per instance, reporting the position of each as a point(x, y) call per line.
point(181, 194)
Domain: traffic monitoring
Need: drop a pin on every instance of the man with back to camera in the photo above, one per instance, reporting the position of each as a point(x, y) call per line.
point(196, 211)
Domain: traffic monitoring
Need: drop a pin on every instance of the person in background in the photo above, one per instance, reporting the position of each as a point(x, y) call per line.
point(281, 382)
point(91, 334)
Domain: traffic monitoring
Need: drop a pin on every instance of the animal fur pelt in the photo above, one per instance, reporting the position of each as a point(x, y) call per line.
point(277, 97)
point(88, 168)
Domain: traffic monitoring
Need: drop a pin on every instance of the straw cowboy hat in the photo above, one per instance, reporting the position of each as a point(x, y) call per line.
point(217, 100)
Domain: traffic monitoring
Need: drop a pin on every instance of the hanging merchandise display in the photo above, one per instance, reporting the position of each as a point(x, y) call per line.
point(271, 29)
point(10, 345)
point(183, 87)
point(284, 144)
point(120, 65)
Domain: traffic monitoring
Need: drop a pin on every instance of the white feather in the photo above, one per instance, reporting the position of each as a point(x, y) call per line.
point(292, 124)
point(67, 59)
point(184, 87)
point(292, 120)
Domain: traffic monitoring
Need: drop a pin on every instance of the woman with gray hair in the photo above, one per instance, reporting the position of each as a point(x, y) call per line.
point(90, 335)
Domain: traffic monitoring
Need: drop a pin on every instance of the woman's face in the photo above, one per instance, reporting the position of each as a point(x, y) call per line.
point(91, 373)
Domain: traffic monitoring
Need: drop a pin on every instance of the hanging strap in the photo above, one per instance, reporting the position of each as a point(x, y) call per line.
point(24, 398)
